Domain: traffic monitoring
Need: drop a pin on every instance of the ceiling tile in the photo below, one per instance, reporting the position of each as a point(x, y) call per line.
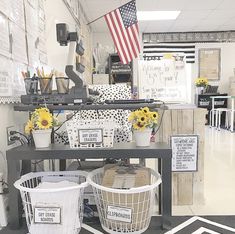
point(221, 14)
point(168, 5)
point(199, 14)
point(227, 5)
point(202, 4)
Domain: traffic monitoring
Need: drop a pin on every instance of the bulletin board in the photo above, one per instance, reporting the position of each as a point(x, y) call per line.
point(23, 43)
point(163, 80)
point(209, 63)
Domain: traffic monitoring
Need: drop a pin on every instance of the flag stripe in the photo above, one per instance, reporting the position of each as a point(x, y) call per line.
point(134, 49)
point(124, 34)
point(121, 36)
point(133, 41)
point(136, 36)
point(117, 32)
point(108, 20)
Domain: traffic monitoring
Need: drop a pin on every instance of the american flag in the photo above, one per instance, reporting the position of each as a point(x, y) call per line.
point(123, 25)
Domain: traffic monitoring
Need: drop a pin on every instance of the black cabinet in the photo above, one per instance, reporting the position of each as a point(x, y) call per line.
point(118, 72)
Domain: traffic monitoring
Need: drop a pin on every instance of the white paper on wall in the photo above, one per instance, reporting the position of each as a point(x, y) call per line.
point(19, 50)
point(18, 86)
point(33, 51)
point(33, 3)
point(5, 7)
point(5, 77)
point(17, 12)
point(163, 80)
point(4, 39)
point(31, 19)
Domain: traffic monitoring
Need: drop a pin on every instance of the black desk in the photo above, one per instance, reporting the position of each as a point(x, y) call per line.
point(122, 150)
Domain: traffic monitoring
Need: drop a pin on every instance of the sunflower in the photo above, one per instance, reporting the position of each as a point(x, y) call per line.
point(155, 116)
point(142, 119)
point(28, 127)
point(139, 126)
point(145, 110)
point(44, 120)
point(131, 116)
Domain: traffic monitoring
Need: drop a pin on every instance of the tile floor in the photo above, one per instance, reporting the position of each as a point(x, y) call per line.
point(219, 176)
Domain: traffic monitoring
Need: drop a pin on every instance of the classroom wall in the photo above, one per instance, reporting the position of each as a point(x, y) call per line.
point(9, 118)
point(227, 63)
point(57, 55)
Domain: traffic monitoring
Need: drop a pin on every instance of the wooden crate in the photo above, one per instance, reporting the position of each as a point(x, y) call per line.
point(188, 188)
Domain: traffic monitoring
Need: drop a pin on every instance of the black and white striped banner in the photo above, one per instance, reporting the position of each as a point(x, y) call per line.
point(177, 49)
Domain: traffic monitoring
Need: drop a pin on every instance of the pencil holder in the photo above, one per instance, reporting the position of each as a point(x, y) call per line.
point(62, 84)
point(46, 85)
point(31, 85)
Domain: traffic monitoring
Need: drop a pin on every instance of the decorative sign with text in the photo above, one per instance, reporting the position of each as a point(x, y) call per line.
point(90, 136)
point(121, 214)
point(47, 215)
point(184, 153)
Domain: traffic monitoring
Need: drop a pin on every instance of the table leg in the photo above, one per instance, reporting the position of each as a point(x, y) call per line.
point(160, 187)
point(166, 193)
point(15, 206)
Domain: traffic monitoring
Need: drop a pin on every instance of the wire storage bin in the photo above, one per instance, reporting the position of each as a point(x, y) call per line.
point(56, 208)
point(90, 133)
point(124, 210)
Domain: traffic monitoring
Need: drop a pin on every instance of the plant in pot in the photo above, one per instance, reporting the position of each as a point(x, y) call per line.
point(143, 122)
point(40, 125)
point(201, 84)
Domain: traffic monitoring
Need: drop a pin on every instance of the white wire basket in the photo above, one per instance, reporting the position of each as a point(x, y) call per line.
point(124, 210)
point(90, 133)
point(54, 210)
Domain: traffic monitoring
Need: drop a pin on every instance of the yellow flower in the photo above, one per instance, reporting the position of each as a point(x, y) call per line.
point(139, 126)
point(145, 110)
point(155, 117)
point(45, 120)
point(28, 127)
point(131, 116)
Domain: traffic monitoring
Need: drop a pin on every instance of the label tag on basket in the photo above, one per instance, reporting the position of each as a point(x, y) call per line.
point(119, 214)
point(90, 136)
point(47, 215)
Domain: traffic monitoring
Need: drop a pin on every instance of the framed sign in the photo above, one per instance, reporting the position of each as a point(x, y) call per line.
point(184, 153)
point(90, 136)
point(209, 63)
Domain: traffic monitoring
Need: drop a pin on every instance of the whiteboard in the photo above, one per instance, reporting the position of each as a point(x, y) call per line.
point(163, 80)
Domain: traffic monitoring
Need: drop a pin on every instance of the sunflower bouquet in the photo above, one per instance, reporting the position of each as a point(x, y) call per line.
point(201, 82)
point(143, 119)
point(41, 119)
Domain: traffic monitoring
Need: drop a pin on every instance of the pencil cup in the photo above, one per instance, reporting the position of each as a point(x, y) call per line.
point(31, 85)
point(46, 85)
point(62, 84)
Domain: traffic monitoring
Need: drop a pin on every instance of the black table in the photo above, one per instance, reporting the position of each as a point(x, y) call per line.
point(120, 151)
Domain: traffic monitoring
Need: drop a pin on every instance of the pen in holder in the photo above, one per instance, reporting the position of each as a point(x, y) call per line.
point(62, 84)
point(31, 85)
point(46, 85)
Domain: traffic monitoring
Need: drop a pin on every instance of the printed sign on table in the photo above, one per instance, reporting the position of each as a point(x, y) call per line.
point(47, 215)
point(121, 214)
point(184, 153)
point(90, 136)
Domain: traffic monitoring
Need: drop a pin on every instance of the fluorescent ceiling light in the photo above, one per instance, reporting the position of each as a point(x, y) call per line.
point(157, 15)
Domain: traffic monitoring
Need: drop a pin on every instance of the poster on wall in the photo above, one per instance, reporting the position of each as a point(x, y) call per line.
point(18, 85)
point(5, 77)
point(4, 39)
point(184, 153)
point(163, 80)
point(209, 63)
point(17, 13)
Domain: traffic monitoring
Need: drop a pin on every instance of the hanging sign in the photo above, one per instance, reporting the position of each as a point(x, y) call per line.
point(184, 153)
point(47, 215)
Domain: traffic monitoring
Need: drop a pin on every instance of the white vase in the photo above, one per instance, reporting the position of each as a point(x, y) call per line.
point(200, 90)
point(42, 138)
point(142, 138)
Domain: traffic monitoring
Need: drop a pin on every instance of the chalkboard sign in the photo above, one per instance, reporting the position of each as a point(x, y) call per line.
point(184, 153)
point(163, 79)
